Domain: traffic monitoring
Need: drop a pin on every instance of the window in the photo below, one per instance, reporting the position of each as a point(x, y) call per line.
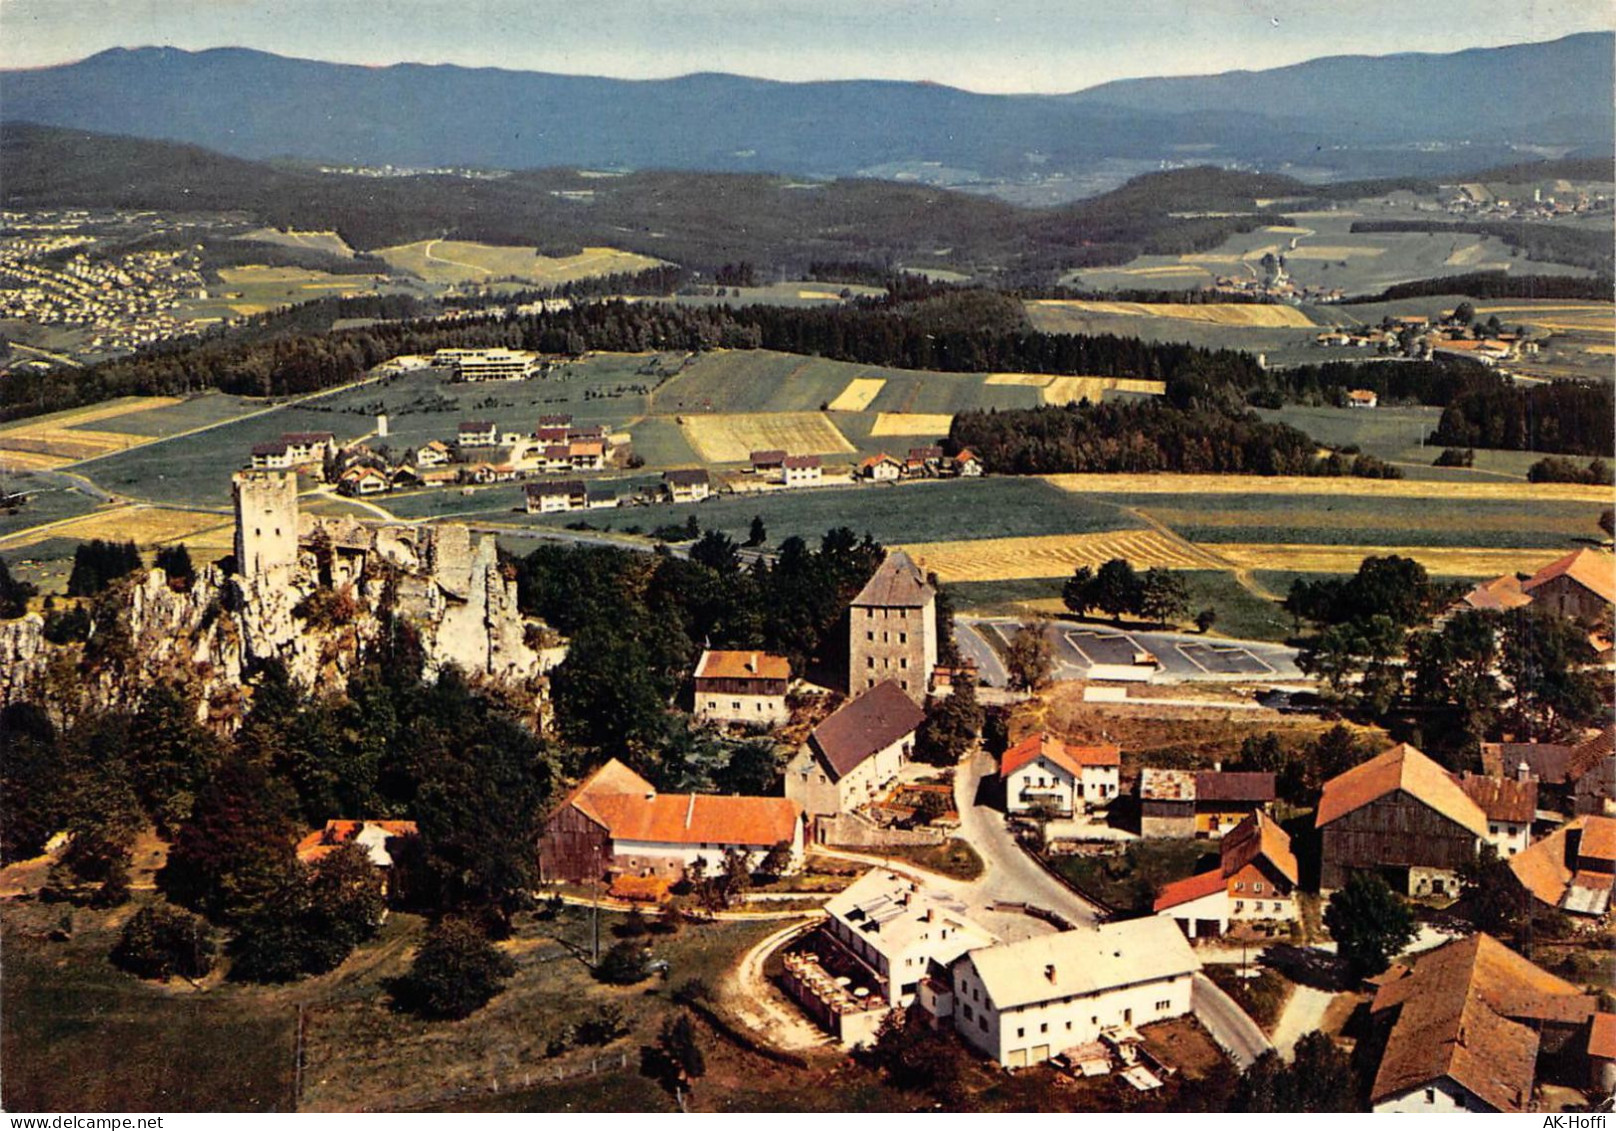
point(1257, 887)
point(1240, 885)
point(1163, 1006)
point(982, 1022)
point(903, 662)
point(1430, 1095)
point(735, 704)
point(1239, 905)
point(1021, 1031)
point(884, 638)
point(1494, 830)
point(970, 1015)
point(1127, 1016)
point(904, 684)
point(870, 660)
point(870, 635)
point(903, 638)
point(1068, 1026)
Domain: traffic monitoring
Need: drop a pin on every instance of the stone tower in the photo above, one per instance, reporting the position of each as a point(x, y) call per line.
point(892, 628)
point(266, 522)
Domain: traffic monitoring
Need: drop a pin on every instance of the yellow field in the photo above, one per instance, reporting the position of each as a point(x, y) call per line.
point(1064, 390)
point(1280, 230)
point(146, 526)
point(857, 396)
point(819, 296)
point(1590, 317)
point(51, 441)
point(1599, 349)
point(1168, 270)
point(1221, 313)
point(912, 424)
point(457, 261)
point(733, 437)
point(1433, 520)
point(1166, 484)
point(1442, 561)
point(1031, 380)
point(320, 241)
point(1056, 555)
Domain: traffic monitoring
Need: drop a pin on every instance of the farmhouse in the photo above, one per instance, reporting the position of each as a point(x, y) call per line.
point(851, 756)
point(293, 449)
point(768, 461)
point(1044, 771)
point(553, 428)
point(433, 453)
point(964, 463)
point(802, 471)
point(689, 485)
point(1579, 586)
point(552, 498)
point(616, 822)
point(881, 469)
point(1201, 802)
point(363, 481)
point(892, 629)
point(1591, 767)
point(1255, 880)
point(1510, 805)
point(1573, 868)
point(477, 434)
point(742, 687)
point(386, 844)
point(1464, 1028)
point(1362, 398)
point(1021, 1003)
point(1501, 593)
point(1402, 815)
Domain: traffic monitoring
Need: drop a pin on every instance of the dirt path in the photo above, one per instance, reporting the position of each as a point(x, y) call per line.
point(427, 252)
point(747, 992)
point(1303, 1013)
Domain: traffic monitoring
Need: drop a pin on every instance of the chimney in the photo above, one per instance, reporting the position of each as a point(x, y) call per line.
point(1217, 767)
point(754, 664)
point(1523, 772)
point(1049, 971)
point(690, 810)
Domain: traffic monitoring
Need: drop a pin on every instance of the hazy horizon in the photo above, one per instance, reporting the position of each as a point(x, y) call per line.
point(1011, 47)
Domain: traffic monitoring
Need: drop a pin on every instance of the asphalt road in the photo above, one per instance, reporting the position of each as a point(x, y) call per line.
point(1011, 876)
point(1235, 1032)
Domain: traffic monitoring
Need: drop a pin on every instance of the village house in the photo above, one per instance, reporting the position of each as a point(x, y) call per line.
point(294, 449)
point(1464, 1028)
point(554, 428)
point(477, 434)
point(1042, 771)
point(1580, 586)
point(433, 453)
point(742, 687)
point(964, 462)
point(1021, 1003)
point(928, 459)
point(802, 471)
point(1200, 802)
point(1255, 881)
point(556, 496)
point(1402, 815)
point(883, 936)
point(616, 823)
point(363, 481)
point(386, 843)
point(1573, 868)
point(892, 629)
point(881, 469)
point(1510, 806)
point(586, 455)
point(1362, 398)
point(687, 485)
point(1591, 767)
point(855, 753)
point(768, 461)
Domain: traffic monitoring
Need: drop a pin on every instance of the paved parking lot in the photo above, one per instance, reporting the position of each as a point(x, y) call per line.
point(1223, 659)
point(1183, 657)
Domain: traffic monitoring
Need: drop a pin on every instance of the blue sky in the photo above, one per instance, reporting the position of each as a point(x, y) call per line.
point(987, 45)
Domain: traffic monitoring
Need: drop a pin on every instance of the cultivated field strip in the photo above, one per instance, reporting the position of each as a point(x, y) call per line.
point(145, 526)
point(1064, 390)
point(931, 424)
point(1443, 561)
point(46, 442)
point(1054, 555)
point(857, 396)
point(1221, 313)
point(1168, 484)
point(733, 437)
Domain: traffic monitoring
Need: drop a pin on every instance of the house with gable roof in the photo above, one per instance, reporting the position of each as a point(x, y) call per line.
point(1042, 770)
point(1580, 586)
point(1573, 868)
point(1255, 880)
point(616, 823)
point(742, 687)
point(852, 756)
point(1402, 815)
point(1464, 1027)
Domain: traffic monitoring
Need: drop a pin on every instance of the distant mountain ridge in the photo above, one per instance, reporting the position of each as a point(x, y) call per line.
point(1402, 114)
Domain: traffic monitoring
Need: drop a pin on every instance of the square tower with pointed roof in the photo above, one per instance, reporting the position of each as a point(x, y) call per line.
point(892, 628)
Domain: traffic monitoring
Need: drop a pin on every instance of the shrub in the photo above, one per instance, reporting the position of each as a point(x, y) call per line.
point(624, 964)
point(162, 941)
point(457, 971)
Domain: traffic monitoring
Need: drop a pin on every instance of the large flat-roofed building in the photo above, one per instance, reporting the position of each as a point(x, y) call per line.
point(1021, 1003)
point(742, 687)
point(487, 364)
point(892, 627)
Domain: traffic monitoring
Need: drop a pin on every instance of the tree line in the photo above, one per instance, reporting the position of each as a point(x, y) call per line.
point(1561, 417)
point(1550, 243)
point(1499, 284)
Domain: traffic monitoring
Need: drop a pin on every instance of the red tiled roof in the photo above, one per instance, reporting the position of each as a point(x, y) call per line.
point(697, 818)
point(1598, 839)
point(1259, 835)
point(1227, 785)
point(1602, 1036)
point(1501, 798)
point(1191, 888)
point(1499, 593)
point(1072, 758)
point(322, 842)
point(1400, 768)
point(1586, 755)
point(1593, 570)
point(742, 665)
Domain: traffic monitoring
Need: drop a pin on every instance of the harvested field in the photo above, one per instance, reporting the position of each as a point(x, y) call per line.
point(44, 442)
point(1462, 561)
point(1057, 555)
point(146, 526)
point(30, 461)
point(1591, 317)
point(1064, 390)
point(857, 396)
point(912, 424)
point(1226, 314)
point(1168, 484)
point(1360, 251)
point(328, 242)
point(732, 438)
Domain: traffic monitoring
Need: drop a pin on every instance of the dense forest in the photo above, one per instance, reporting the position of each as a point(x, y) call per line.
point(1142, 436)
point(1563, 418)
point(1500, 284)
